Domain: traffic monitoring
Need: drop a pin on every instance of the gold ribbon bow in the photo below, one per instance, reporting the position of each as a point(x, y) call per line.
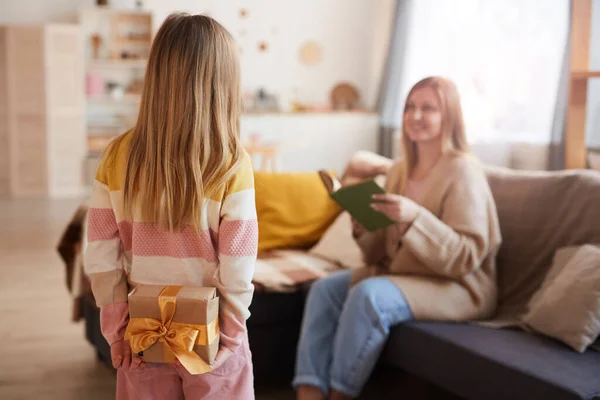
point(179, 338)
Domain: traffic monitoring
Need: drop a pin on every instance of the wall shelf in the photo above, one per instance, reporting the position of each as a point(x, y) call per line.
point(116, 63)
point(585, 74)
point(107, 99)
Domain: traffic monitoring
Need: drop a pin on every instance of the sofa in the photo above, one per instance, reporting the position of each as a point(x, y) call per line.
point(539, 213)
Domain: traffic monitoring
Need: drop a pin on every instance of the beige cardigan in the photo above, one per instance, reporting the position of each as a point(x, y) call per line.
point(445, 263)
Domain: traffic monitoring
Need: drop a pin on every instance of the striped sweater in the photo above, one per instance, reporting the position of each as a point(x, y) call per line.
point(123, 253)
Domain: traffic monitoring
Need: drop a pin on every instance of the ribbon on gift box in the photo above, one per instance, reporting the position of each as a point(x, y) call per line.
point(178, 338)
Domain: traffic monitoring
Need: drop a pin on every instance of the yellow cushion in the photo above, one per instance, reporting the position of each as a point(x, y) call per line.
point(294, 209)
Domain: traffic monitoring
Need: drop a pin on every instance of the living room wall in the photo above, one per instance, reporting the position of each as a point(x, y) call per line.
point(352, 39)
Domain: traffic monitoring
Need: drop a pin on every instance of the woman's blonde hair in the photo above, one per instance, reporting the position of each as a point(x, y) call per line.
point(185, 145)
point(453, 136)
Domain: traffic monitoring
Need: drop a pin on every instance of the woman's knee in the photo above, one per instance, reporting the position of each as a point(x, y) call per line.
point(366, 291)
point(377, 296)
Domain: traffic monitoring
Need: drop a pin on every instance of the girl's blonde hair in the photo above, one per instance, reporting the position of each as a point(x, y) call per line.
point(453, 135)
point(185, 145)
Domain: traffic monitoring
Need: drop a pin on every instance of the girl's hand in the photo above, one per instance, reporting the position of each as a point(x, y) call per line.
point(120, 354)
point(398, 208)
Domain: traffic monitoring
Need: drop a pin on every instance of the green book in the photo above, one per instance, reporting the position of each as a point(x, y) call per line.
point(357, 199)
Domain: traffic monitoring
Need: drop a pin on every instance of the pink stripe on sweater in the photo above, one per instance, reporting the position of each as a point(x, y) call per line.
point(102, 224)
point(113, 321)
point(238, 238)
point(126, 233)
point(147, 240)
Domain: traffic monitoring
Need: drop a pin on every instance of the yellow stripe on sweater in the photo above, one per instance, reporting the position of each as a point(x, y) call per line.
point(110, 171)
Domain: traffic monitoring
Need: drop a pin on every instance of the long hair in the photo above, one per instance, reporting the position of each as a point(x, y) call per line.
point(185, 145)
point(453, 136)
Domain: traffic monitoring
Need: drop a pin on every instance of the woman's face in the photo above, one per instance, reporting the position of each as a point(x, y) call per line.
point(423, 115)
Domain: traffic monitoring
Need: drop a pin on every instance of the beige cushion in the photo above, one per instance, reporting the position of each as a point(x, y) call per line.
point(567, 305)
point(337, 244)
point(539, 212)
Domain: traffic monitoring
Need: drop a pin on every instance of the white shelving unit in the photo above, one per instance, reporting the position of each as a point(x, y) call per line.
point(117, 43)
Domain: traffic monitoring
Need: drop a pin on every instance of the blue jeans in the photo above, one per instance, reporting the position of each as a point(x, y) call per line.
point(344, 331)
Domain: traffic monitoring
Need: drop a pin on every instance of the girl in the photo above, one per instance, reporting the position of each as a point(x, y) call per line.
point(173, 204)
point(437, 262)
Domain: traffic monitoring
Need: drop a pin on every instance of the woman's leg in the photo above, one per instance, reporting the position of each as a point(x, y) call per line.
point(321, 314)
point(372, 307)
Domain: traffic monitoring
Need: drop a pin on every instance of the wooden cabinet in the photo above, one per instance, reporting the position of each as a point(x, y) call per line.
point(42, 106)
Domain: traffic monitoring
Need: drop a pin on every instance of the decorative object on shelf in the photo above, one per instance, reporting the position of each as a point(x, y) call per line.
point(126, 55)
point(102, 2)
point(116, 90)
point(139, 4)
point(263, 47)
point(265, 101)
point(96, 43)
point(344, 97)
point(299, 107)
point(136, 36)
point(131, 33)
point(310, 53)
point(94, 84)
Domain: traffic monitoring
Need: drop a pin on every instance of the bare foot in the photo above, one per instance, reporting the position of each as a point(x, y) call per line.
point(307, 392)
point(335, 395)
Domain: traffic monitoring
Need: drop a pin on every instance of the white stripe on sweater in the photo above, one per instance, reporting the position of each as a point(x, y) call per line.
point(239, 206)
point(100, 256)
point(172, 271)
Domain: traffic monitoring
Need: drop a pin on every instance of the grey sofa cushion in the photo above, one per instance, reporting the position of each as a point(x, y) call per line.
point(482, 363)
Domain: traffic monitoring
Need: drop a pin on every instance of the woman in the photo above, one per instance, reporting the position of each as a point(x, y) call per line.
point(437, 262)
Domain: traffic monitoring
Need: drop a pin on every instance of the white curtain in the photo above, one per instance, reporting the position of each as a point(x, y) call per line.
point(505, 57)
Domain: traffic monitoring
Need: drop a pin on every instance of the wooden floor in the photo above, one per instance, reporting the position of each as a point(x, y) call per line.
point(43, 355)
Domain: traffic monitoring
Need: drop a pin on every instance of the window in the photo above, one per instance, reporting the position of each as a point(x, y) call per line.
point(505, 57)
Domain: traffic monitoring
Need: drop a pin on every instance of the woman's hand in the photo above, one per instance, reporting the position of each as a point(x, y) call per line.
point(398, 208)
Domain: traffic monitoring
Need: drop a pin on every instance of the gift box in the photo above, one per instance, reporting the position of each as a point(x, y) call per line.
point(169, 323)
